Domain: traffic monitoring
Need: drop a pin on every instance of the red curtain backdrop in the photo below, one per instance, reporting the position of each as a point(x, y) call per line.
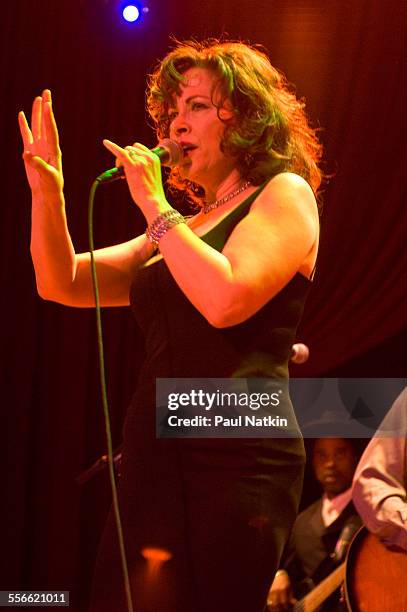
point(348, 59)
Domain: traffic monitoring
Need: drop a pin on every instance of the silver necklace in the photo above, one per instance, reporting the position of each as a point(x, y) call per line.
point(206, 208)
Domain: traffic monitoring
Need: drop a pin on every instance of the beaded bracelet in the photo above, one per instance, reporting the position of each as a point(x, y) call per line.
point(162, 224)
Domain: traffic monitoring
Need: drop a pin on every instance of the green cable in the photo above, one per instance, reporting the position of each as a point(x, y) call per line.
point(104, 399)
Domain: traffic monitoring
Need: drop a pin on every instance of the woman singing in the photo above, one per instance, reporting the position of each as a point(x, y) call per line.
point(222, 298)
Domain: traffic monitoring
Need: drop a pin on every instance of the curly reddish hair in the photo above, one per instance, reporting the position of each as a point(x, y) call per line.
point(269, 132)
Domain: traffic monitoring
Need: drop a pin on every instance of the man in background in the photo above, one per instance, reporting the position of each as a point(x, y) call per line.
point(308, 556)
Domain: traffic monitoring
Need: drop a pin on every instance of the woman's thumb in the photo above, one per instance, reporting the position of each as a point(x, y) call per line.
point(34, 161)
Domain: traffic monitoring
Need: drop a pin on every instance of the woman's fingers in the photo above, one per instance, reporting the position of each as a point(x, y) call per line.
point(121, 154)
point(41, 138)
point(113, 147)
point(127, 152)
point(142, 148)
point(35, 161)
point(42, 156)
point(36, 118)
point(43, 120)
point(133, 154)
point(46, 95)
point(43, 124)
point(49, 130)
point(25, 131)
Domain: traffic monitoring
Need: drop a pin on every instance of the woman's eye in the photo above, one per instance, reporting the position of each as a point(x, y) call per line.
point(198, 106)
point(172, 115)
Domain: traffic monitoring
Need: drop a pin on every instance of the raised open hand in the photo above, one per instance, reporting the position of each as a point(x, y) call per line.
point(42, 155)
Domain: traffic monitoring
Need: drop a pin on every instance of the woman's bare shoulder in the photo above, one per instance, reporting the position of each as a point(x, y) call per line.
point(287, 187)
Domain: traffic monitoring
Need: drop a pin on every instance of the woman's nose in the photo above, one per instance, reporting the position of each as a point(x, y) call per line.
point(179, 125)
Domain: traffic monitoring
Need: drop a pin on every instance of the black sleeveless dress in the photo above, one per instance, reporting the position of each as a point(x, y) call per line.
point(221, 509)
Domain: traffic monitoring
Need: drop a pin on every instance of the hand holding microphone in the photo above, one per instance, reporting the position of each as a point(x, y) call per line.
point(142, 168)
point(168, 152)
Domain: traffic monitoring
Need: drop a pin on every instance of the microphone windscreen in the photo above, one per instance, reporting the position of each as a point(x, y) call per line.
point(169, 152)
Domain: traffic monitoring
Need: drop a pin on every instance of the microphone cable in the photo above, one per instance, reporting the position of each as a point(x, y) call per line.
point(110, 457)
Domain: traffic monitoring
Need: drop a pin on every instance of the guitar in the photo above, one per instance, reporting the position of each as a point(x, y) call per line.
point(316, 597)
point(375, 576)
point(313, 600)
point(322, 591)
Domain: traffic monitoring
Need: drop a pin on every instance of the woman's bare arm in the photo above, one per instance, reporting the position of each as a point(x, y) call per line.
point(277, 239)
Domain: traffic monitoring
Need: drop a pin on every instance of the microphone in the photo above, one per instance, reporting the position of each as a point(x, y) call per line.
point(168, 151)
point(299, 353)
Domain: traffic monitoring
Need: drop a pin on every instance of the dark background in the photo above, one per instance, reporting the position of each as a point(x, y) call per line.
point(348, 59)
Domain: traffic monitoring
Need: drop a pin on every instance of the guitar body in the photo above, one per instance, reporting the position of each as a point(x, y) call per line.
point(375, 577)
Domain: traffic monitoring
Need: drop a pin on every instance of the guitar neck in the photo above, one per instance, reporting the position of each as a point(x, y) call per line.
point(322, 591)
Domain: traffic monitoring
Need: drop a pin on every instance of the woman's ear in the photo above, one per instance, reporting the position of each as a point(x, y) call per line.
point(226, 112)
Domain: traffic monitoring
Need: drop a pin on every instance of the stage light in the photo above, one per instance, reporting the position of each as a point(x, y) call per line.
point(131, 13)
